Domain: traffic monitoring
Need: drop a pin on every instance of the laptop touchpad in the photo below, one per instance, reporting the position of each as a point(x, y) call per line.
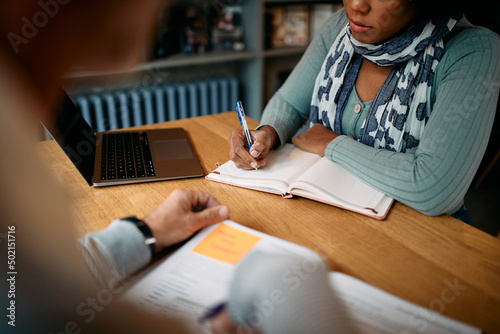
point(172, 149)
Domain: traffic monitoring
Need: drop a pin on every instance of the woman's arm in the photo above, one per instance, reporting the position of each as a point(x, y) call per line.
point(289, 108)
point(435, 179)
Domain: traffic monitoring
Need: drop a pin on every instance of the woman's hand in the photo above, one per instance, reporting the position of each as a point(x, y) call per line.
point(182, 214)
point(263, 140)
point(315, 139)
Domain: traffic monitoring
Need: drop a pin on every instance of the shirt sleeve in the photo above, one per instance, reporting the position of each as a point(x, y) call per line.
point(435, 179)
point(289, 108)
point(116, 252)
point(279, 294)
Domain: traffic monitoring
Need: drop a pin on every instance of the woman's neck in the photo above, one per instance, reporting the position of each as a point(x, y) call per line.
point(370, 78)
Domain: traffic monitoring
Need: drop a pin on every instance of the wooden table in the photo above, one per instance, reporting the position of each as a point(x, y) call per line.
point(436, 262)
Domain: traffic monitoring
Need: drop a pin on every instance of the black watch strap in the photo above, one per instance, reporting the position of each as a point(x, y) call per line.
point(145, 230)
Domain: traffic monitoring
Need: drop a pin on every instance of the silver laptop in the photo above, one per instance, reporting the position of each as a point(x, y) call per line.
point(123, 157)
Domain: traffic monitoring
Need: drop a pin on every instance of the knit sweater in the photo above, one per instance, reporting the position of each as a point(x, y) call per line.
point(464, 95)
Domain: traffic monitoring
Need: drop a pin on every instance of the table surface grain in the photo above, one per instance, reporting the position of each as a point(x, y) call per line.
point(436, 262)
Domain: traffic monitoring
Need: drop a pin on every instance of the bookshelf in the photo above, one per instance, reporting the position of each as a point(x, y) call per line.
point(259, 68)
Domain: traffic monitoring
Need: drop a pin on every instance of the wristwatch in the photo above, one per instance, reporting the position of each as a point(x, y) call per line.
point(145, 230)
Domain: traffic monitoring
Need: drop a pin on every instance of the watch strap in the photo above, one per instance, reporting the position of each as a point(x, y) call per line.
point(145, 230)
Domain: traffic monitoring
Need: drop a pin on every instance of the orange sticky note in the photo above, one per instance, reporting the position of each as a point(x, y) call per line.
point(226, 244)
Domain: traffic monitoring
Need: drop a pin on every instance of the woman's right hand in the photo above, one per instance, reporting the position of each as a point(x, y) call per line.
point(263, 140)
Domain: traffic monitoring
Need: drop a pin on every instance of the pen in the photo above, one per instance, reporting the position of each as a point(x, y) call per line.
point(212, 312)
point(243, 122)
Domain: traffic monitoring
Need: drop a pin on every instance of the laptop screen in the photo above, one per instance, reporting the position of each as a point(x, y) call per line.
point(75, 137)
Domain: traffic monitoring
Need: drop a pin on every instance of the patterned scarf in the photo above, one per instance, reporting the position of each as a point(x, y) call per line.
point(400, 110)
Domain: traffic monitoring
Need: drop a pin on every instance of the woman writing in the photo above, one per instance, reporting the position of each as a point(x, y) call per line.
point(400, 93)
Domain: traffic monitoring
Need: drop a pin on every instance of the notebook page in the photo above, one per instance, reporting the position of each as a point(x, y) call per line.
point(282, 167)
point(334, 184)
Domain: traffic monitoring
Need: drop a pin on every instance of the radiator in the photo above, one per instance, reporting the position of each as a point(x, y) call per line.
point(110, 110)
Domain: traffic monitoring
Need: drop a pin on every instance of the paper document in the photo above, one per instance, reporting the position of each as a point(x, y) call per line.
point(198, 275)
point(376, 311)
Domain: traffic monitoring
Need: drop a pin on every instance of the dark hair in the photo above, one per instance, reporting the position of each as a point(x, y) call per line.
point(433, 8)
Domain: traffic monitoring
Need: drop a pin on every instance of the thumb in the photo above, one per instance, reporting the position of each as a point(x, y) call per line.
point(256, 149)
point(211, 215)
point(253, 152)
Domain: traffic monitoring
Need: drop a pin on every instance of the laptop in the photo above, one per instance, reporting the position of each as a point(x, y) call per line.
point(116, 157)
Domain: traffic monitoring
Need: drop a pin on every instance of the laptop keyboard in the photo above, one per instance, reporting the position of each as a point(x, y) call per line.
point(126, 155)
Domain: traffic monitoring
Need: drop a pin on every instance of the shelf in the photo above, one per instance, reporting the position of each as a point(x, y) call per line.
point(200, 59)
point(285, 51)
point(173, 61)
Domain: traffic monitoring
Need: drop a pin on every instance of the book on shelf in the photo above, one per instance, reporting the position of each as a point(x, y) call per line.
point(198, 275)
point(295, 25)
point(194, 37)
point(226, 27)
point(287, 26)
point(195, 28)
point(290, 172)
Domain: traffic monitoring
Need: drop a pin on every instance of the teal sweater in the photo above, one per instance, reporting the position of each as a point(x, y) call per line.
point(464, 95)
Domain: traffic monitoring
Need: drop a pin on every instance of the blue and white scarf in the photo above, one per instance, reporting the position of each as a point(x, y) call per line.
point(400, 110)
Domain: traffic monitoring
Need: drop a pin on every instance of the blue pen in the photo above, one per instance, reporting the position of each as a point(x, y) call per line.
point(212, 312)
point(243, 122)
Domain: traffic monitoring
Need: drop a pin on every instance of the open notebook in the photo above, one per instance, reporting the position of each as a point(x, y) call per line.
point(291, 171)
